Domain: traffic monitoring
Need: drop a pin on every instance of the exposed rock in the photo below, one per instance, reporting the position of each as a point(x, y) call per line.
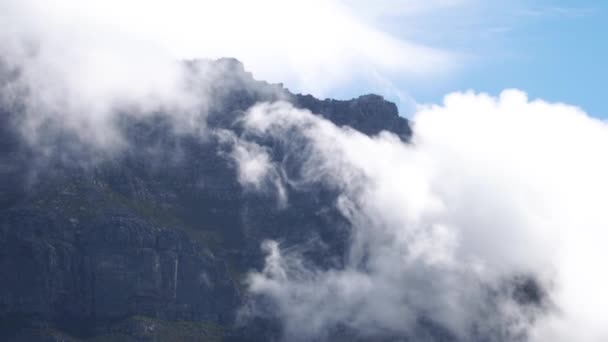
point(150, 240)
point(369, 114)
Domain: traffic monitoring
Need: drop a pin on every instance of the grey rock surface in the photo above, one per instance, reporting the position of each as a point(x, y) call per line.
point(133, 246)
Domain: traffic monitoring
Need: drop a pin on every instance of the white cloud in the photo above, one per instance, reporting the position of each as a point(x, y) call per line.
point(255, 168)
point(491, 189)
point(83, 61)
point(313, 46)
point(387, 8)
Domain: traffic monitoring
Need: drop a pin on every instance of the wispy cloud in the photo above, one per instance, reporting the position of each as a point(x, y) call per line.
point(557, 11)
point(313, 46)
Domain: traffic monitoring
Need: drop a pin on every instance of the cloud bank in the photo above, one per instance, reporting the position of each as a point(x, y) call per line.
point(490, 223)
point(77, 65)
point(314, 46)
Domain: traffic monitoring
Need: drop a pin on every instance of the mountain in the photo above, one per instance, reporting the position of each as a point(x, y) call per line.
point(154, 242)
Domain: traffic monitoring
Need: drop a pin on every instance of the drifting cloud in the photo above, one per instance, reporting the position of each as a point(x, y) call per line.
point(490, 223)
point(314, 46)
point(386, 8)
point(80, 64)
point(255, 168)
point(490, 191)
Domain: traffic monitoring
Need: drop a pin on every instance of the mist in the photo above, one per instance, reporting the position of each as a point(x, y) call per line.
point(491, 193)
point(490, 222)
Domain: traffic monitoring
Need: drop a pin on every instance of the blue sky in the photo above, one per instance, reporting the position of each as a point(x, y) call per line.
point(554, 50)
point(558, 57)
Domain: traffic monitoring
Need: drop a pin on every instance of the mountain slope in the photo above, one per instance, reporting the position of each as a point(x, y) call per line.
point(156, 240)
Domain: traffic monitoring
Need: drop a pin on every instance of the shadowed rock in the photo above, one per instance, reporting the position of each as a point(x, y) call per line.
point(162, 230)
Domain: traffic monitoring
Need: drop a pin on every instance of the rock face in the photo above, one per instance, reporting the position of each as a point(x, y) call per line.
point(369, 114)
point(152, 242)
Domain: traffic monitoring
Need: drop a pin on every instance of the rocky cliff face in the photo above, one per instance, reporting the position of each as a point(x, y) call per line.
point(154, 243)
